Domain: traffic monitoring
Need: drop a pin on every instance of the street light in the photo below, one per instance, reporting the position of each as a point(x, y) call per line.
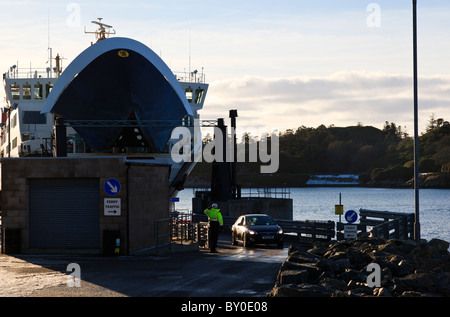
point(416, 141)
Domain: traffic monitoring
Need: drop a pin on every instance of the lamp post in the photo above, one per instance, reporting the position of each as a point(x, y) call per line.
point(416, 141)
point(233, 115)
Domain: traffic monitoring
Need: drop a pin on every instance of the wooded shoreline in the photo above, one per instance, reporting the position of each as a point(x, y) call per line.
point(436, 180)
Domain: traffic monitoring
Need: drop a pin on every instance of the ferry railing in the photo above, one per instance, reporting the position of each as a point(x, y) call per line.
point(37, 73)
point(193, 77)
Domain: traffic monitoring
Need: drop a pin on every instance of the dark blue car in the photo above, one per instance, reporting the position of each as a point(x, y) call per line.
point(256, 229)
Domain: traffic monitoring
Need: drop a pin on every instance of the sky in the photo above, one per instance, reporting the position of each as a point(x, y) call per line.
point(282, 64)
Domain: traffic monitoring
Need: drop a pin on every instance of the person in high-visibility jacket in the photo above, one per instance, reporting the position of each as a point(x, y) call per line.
point(215, 224)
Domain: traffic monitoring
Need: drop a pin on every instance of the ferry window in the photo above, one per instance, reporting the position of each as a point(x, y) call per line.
point(37, 91)
point(188, 92)
point(199, 95)
point(15, 91)
point(26, 89)
point(48, 89)
point(34, 117)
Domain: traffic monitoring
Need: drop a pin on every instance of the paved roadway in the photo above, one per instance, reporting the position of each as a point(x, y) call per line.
point(233, 272)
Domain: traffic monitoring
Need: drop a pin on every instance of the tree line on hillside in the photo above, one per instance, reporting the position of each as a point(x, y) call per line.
point(377, 155)
point(374, 154)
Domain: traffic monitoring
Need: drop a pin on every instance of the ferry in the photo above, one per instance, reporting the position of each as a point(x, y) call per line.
point(96, 123)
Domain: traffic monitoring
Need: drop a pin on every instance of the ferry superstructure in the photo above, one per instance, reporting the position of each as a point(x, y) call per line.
point(24, 130)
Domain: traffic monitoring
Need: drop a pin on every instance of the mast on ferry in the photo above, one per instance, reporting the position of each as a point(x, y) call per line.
point(103, 32)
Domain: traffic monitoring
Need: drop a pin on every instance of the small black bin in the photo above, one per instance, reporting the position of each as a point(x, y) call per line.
point(109, 241)
point(12, 241)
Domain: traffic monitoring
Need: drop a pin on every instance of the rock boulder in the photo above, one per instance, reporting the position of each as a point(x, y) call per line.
point(339, 269)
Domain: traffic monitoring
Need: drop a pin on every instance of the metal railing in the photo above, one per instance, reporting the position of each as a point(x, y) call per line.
point(308, 231)
point(302, 231)
point(184, 122)
point(394, 224)
point(266, 192)
point(383, 224)
point(15, 73)
point(190, 77)
point(256, 192)
point(184, 227)
point(178, 228)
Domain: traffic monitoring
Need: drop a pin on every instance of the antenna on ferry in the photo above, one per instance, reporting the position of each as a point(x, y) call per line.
point(58, 68)
point(103, 32)
point(49, 49)
point(190, 74)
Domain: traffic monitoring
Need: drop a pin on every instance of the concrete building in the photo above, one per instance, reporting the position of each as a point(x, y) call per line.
point(81, 205)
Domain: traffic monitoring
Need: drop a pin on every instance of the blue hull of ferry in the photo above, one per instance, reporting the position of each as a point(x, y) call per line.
point(118, 79)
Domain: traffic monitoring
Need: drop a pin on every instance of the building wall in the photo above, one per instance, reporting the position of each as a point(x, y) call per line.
point(148, 201)
point(145, 186)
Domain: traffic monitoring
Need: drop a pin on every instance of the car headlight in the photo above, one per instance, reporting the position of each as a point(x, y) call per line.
point(280, 231)
point(251, 231)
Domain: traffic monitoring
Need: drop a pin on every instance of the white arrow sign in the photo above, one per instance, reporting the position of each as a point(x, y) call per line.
point(113, 188)
point(112, 207)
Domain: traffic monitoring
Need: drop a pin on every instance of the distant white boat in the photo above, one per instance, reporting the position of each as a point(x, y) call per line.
point(333, 180)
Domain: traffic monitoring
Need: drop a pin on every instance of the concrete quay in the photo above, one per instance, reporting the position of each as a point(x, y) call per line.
point(233, 272)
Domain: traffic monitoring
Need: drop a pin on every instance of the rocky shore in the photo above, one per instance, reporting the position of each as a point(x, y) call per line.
point(340, 269)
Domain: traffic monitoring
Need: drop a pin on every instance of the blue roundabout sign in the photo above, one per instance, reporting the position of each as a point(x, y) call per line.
point(351, 216)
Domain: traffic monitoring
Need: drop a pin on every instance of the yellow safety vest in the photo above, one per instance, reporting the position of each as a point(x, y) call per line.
point(214, 215)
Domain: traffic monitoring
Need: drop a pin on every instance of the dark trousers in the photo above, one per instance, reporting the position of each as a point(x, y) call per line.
point(213, 234)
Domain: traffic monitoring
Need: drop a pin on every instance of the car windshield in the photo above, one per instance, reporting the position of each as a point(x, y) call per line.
point(259, 221)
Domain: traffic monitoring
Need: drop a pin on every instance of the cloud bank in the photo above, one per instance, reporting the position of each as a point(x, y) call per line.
point(343, 99)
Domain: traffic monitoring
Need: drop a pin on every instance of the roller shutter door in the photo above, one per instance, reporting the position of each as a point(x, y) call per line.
point(64, 213)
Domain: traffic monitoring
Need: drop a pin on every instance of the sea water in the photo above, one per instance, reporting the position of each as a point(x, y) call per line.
point(317, 203)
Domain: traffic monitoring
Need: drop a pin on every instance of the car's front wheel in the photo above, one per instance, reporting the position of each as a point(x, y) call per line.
point(246, 241)
point(233, 238)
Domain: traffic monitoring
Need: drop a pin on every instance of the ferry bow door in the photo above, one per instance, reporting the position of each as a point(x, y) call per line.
point(64, 214)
